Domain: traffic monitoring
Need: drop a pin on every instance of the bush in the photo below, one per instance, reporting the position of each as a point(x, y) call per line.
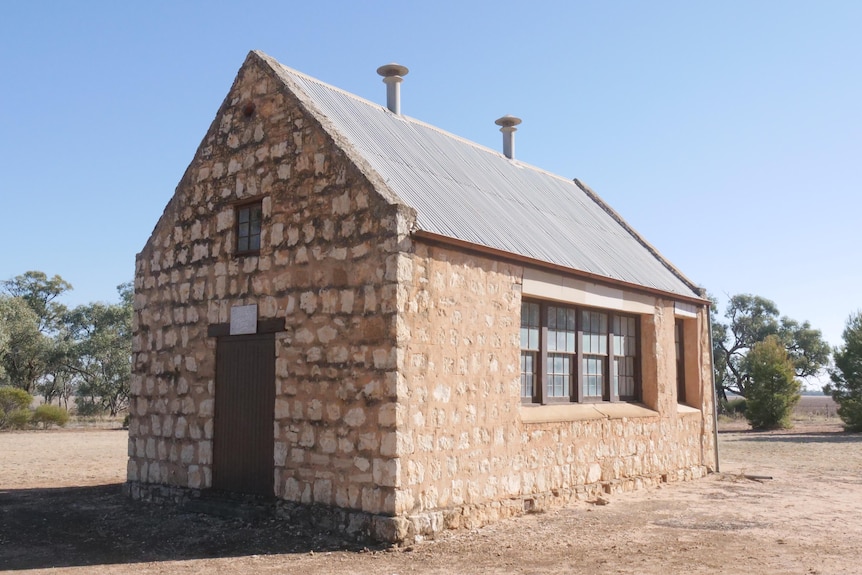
point(86, 407)
point(14, 408)
point(774, 390)
point(735, 406)
point(48, 415)
point(846, 386)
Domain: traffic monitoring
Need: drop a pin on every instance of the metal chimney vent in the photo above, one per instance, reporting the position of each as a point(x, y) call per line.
point(508, 128)
point(392, 77)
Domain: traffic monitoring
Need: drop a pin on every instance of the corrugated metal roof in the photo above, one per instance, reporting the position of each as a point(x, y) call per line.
point(465, 191)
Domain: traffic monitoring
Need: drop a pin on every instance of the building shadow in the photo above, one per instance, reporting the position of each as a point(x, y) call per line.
point(98, 525)
point(828, 437)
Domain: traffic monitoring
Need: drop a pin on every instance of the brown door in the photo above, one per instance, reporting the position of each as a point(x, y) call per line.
point(244, 412)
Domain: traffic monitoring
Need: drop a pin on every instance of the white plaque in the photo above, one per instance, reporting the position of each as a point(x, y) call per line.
point(243, 319)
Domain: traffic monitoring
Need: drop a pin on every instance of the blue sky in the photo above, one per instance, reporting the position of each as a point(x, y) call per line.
point(729, 133)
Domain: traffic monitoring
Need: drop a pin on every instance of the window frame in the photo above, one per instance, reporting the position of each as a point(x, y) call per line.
point(576, 383)
point(679, 349)
point(238, 209)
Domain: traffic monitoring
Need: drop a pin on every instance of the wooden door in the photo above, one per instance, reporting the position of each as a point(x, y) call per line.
point(244, 414)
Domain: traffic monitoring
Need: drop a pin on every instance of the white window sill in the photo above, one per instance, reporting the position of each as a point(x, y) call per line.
point(584, 412)
point(683, 409)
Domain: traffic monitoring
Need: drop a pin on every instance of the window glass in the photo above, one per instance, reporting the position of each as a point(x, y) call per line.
point(530, 325)
point(248, 228)
point(595, 332)
point(561, 329)
point(593, 376)
point(559, 375)
point(528, 373)
point(552, 368)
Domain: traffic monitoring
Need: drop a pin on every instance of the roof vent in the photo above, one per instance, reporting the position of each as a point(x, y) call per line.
point(508, 128)
point(392, 77)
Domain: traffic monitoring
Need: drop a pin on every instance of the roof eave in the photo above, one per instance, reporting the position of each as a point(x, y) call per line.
point(433, 238)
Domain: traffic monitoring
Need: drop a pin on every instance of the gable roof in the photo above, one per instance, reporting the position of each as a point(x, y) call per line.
point(469, 193)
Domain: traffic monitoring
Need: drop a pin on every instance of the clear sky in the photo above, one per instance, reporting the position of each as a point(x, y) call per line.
point(728, 133)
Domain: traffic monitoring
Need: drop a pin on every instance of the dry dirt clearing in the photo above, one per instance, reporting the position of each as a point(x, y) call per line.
point(61, 512)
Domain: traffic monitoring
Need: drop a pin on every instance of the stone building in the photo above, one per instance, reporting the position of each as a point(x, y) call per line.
point(352, 312)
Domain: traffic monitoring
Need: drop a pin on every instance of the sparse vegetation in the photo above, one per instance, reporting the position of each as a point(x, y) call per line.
point(14, 408)
point(846, 376)
point(751, 319)
point(733, 407)
point(47, 415)
point(61, 353)
point(773, 390)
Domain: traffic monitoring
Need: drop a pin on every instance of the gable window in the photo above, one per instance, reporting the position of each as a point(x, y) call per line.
point(248, 220)
point(574, 354)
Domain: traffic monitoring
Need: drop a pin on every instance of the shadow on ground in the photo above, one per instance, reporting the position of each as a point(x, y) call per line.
point(799, 437)
point(79, 526)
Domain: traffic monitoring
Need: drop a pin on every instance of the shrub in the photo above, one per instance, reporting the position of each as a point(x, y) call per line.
point(846, 386)
point(86, 407)
point(774, 390)
point(14, 408)
point(735, 406)
point(48, 415)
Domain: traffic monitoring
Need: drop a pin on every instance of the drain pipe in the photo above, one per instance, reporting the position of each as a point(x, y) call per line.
point(712, 384)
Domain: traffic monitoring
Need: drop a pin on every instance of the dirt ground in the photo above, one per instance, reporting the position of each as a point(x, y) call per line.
point(61, 512)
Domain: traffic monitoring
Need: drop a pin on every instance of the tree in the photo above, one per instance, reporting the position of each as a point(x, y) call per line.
point(773, 390)
point(31, 320)
point(846, 376)
point(751, 319)
point(25, 351)
point(100, 356)
point(39, 293)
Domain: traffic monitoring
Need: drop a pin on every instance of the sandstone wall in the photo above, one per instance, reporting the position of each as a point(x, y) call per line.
point(469, 455)
point(327, 265)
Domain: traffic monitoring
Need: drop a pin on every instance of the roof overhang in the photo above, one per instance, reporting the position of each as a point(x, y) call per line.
point(432, 238)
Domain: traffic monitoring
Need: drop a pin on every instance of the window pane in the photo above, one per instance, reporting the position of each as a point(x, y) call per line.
point(242, 244)
point(593, 376)
point(625, 350)
point(595, 329)
point(528, 374)
point(529, 325)
point(559, 375)
point(561, 329)
point(254, 242)
point(244, 215)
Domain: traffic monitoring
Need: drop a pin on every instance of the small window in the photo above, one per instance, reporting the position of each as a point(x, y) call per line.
point(248, 221)
point(680, 360)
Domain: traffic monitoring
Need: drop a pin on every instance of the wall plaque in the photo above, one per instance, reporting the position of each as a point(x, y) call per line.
point(243, 319)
